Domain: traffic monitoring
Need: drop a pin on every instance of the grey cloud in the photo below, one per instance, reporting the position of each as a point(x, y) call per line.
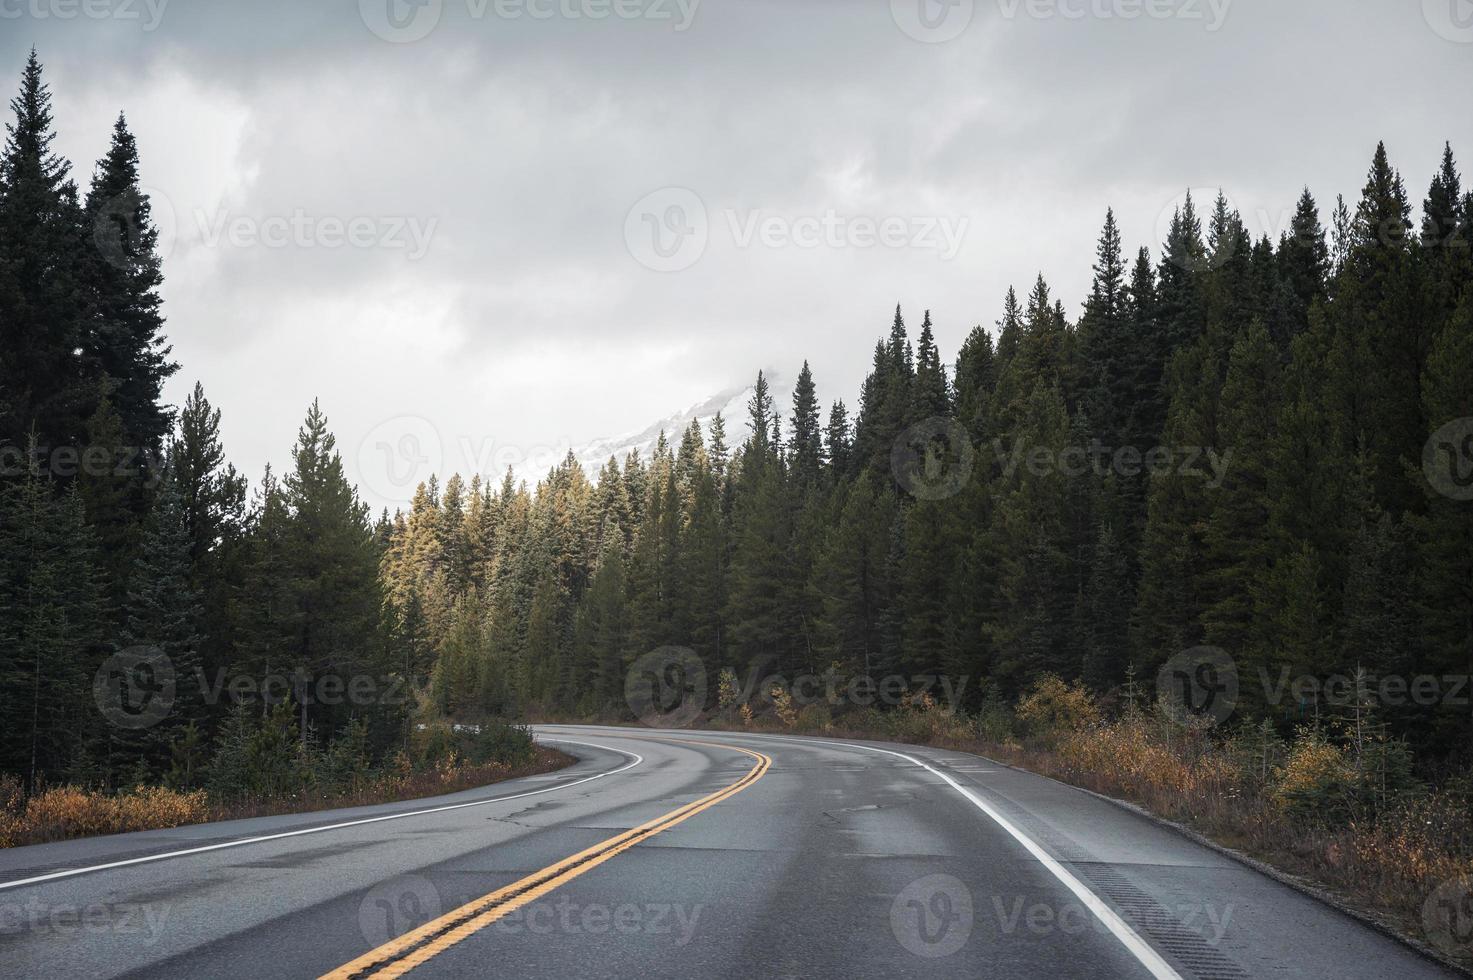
point(526, 143)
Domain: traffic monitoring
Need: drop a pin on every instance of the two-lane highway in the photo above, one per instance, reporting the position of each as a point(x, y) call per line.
point(683, 854)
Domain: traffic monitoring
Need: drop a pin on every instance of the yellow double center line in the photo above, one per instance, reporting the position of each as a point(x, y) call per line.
point(398, 956)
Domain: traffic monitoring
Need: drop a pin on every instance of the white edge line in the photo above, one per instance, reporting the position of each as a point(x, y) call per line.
point(72, 872)
point(1138, 947)
point(1122, 931)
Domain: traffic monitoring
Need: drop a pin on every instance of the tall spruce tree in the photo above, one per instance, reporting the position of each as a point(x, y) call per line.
point(331, 570)
point(46, 386)
point(124, 275)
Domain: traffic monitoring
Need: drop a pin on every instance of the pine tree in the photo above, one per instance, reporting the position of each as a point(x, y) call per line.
point(759, 607)
point(718, 452)
point(1377, 613)
point(806, 446)
point(213, 495)
point(1043, 353)
point(932, 394)
point(125, 274)
point(543, 658)
point(410, 639)
point(331, 568)
point(760, 417)
point(450, 536)
point(838, 441)
point(976, 380)
point(1382, 330)
point(1152, 343)
point(1105, 342)
point(886, 402)
point(1443, 223)
point(1179, 303)
point(1304, 258)
point(47, 386)
point(690, 460)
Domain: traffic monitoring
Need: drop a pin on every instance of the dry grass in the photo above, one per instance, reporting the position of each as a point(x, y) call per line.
point(62, 812)
point(65, 812)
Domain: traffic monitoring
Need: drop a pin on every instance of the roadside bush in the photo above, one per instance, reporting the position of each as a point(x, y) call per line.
point(1316, 781)
point(69, 811)
point(782, 705)
point(727, 690)
point(1051, 708)
point(10, 830)
point(435, 743)
point(1133, 753)
point(1329, 783)
point(502, 744)
point(815, 717)
point(995, 721)
point(866, 719)
point(148, 807)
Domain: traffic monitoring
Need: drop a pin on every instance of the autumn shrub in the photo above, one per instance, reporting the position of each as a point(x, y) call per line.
point(783, 706)
point(149, 807)
point(69, 811)
point(728, 692)
point(1052, 708)
point(1411, 850)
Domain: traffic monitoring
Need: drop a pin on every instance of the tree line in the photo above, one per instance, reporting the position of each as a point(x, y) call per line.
point(1254, 446)
point(1232, 446)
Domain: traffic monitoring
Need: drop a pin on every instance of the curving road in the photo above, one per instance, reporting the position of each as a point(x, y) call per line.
point(683, 854)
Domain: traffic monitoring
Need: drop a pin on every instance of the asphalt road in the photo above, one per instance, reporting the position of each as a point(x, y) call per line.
point(680, 855)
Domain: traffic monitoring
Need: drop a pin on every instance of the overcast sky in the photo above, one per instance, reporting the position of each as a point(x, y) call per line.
point(484, 226)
